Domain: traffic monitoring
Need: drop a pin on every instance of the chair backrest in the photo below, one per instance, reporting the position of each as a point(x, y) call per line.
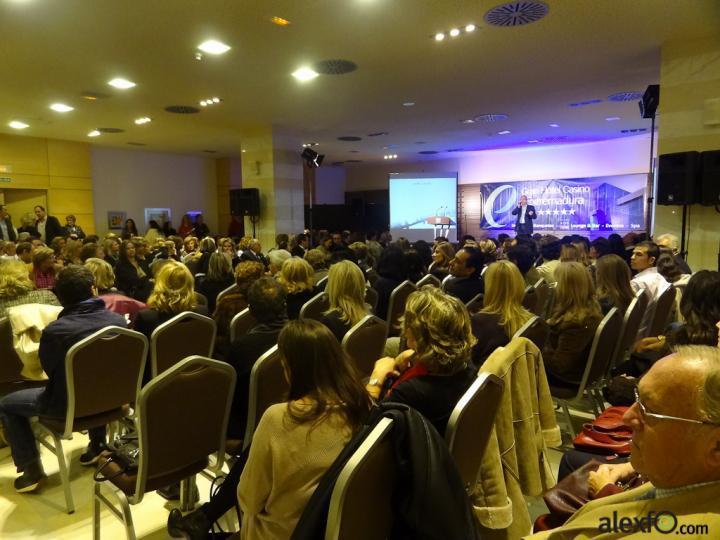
point(364, 343)
point(267, 387)
point(321, 284)
point(176, 432)
point(225, 292)
point(241, 324)
point(550, 303)
point(103, 372)
point(542, 294)
point(482, 272)
point(429, 279)
point(201, 299)
point(602, 349)
point(445, 280)
point(471, 423)
point(10, 363)
point(536, 330)
point(186, 334)
point(315, 307)
point(476, 303)
point(530, 299)
point(663, 312)
point(371, 297)
point(364, 488)
point(396, 306)
point(631, 324)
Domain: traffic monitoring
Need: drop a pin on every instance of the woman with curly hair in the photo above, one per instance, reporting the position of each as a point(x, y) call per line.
point(16, 287)
point(436, 370)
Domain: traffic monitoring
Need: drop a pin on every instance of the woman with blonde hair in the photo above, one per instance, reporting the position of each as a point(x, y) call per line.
point(16, 287)
point(218, 278)
point(346, 295)
point(575, 317)
point(298, 279)
point(105, 285)
point(503, 313)
point(442, 255)
point(436, 370)
point(612, 276)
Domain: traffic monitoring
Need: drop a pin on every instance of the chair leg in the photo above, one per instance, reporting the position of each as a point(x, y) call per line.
point(127, 515)
point(568, 418)
point(187, 494)
point(96, 511)
point(64, 473)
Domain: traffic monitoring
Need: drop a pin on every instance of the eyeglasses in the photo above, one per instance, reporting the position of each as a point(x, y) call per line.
point(645, 414)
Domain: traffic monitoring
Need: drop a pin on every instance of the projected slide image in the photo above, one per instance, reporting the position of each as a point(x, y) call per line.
point(422, 208)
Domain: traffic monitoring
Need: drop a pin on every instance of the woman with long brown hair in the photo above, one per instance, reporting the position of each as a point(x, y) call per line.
point(612, 276)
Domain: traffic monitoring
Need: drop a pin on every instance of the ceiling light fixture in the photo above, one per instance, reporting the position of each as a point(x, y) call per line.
point(439, 36)
point(304, 74)
point(122, 84)
point(504, 132)
point(309, 145)
point(61, 107)
point(409, 104)
point(470, 28)
point(454, 32)
point(143, 120)
point(532, 141)
point(94, 133)
point(17, 124)
point(467, 121)
point(612, 118)
point(279, 21)
point(554, 125)
point(390, 156)
point(213, 46)
point(210, 101)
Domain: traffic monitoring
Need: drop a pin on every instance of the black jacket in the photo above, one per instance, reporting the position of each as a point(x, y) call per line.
point(52, 228)
point(464, 288)
point(429, 500)
point(11, 231)
point(530, 214)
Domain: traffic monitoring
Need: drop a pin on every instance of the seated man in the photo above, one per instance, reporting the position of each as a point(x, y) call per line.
point(676, 446)
point(644, 261)
point(465, 268)
point(83, 314)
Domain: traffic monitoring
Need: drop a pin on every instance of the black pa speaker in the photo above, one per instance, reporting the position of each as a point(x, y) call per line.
point(677, 178)
point(245, 202)
point(710, 178)
point(650, 101)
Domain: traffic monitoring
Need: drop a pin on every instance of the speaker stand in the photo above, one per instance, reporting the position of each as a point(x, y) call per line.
point(651, 181)
point(683, 232)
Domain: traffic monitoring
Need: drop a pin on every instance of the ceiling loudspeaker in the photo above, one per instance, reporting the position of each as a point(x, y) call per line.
point(312, 158)
point(678, 178)
point(650, 101)
point(709, 186)
point(245, 202)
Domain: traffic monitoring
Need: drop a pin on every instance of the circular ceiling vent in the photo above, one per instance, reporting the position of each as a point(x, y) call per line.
point(378, 134)
point(182, 109)
point(490, 118)
point(210, 151)
point(349, 138)
point(110, 130)
point(625, 96)
point(335, 67)
point(516, 13)
point(455, 150)
point(428, 152)
point(137, 144)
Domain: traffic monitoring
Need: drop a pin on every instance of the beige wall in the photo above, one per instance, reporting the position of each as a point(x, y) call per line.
point(228, 173)
point(56, 170)
point(689, 76)
point(132, 180)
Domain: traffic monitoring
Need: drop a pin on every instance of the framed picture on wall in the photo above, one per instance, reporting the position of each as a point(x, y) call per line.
point(161, 215)
point(116, 220)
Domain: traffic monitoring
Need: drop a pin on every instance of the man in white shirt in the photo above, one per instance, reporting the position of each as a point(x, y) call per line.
point(643, 261)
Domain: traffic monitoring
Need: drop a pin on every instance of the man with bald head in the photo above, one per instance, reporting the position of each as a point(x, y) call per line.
point(676, 446)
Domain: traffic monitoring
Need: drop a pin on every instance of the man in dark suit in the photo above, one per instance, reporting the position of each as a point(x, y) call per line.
point(7, 231)
point(465, 268)
point(525, 214)
point(48, 226)
point(254, 253)
point(301, 245)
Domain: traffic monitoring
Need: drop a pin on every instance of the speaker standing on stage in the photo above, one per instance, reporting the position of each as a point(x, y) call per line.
point(525, 214)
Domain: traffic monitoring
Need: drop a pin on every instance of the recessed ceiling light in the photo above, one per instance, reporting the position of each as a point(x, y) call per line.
point(94, 133)
point(243, 151)
point(203, 103)
point(467, 121)
point(409, 104)
point(454, 32)
point(533, 141)
point(504, 132)
point(439, 36)
point(305, 74)
point(212, 46)
point(612, 118)
point(17, 124)
point(143, 120)
point(61, 107)
point(470, 28)
point(554, 125)
point(216, 100)
point(279, 21)
point(123, 84)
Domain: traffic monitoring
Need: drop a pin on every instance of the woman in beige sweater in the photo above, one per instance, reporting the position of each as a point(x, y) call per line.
point(296, 442)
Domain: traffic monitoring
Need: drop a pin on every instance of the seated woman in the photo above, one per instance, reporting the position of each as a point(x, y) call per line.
point(297, 277)
point(575, 316)
point(72, 229)
point(111, 247)
point(442, 255)
point(105, 285)
point(316, 259)
point(436, 370)
point(186, 226)
point(346, 295)
point(129, 229)
point(295, 442)
point(17, 289)
point(92, 250)
point(44, 268)
point(612, 277)
point(227, 247)
point(218, 278)
point(503, 313)
point(391, 273)
point(190, 246)
point(132, 280)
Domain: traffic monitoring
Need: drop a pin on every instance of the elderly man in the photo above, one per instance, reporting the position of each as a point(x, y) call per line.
point(671, 242)
point(676, 446)
point(48, 226)
point(254, 253)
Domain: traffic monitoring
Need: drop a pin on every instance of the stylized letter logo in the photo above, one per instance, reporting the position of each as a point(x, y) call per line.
point(490, 203)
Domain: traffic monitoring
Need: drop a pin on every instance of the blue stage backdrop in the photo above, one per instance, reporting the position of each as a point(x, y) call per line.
point(580, 205)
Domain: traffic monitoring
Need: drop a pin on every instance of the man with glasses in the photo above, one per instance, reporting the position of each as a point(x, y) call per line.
point(676, 446)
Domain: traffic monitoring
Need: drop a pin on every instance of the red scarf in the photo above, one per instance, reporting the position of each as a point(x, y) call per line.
point(417, 370)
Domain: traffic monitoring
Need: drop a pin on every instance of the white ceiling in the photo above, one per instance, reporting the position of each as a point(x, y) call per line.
point(54, 50)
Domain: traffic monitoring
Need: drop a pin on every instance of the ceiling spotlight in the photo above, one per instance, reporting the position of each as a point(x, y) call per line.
point(439, 36)
point(612, 118)
point(213, 46)
point(532, 141)
point(198, 56)
point(467, 121)
point(409, 104)
point(504, 132)
point(305, 74)
point(122, 84)
point(312, 158)
point(554, 125)
point(61, 107)
point(94, 133)
point(143, 120)
point(470, 28)
point(17, 124)
point(454, 32)
point(203, 103)
point(279, 21)
point(216, 100)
